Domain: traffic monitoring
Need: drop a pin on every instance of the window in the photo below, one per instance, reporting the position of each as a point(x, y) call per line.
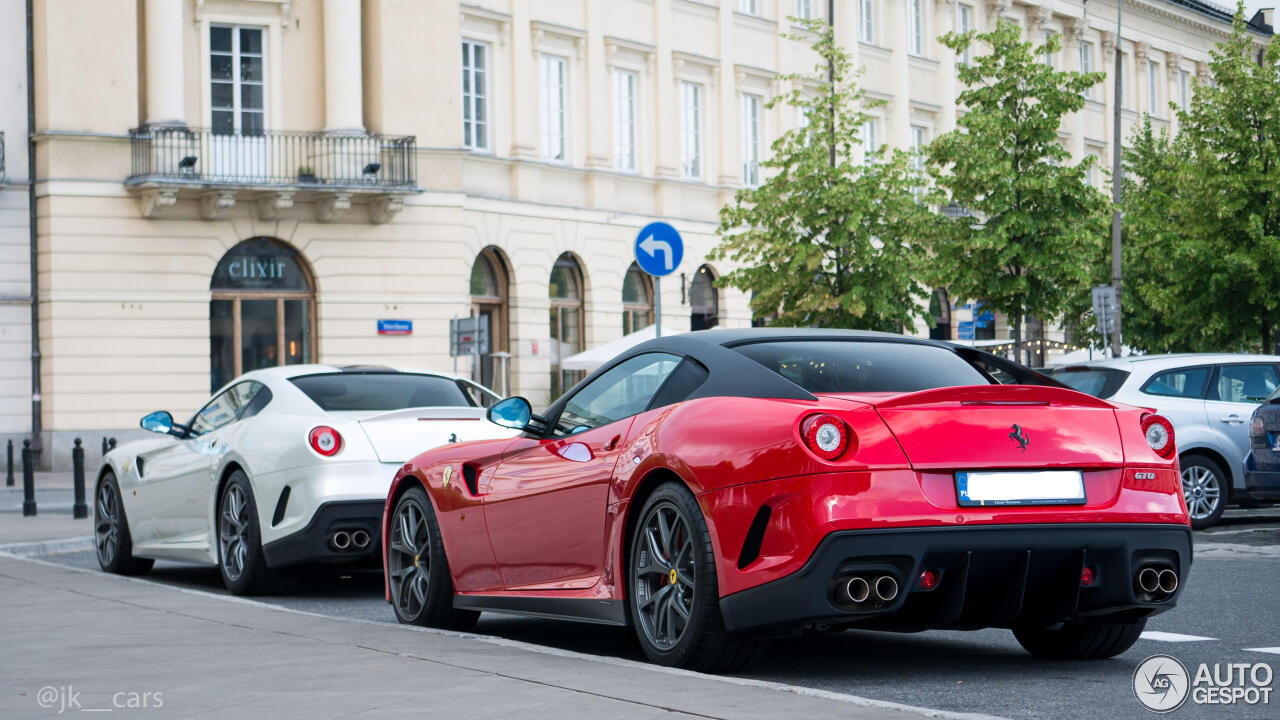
point(475, 95)
point(1153, 88)
point(1124, 86)
point(838, 366)
point(1096, 381)
point(1244, 383)
point(566, 321)
point(867, 21)
point(234, 404)
point(624, 120)
point(919, 138)
point(750, 7)
point(553, 107)
point(1181, 383)
point(804, 9)
point(1086, 65)
point(1184, 89)
point(751, 139)
point(489, 306)
point(915, 27)
point(870, 138)
point(237, 89)
point(704, 300)
point(622, 391)
point(381, 391)
point(691, 130)
point(1049, 58)
point(964, 23)
point(637, 300)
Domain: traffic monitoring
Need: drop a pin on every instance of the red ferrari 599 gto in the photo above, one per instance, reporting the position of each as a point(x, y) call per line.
point(719, 487)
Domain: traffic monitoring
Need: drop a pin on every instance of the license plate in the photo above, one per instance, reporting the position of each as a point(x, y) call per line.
point(1038, 487)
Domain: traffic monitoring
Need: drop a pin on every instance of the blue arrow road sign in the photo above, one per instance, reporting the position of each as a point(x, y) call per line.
point(659, 249)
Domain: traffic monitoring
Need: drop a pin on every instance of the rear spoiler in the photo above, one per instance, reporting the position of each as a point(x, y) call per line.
point(997, 395)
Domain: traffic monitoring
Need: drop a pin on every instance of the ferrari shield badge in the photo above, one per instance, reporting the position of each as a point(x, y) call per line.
point(448, 473)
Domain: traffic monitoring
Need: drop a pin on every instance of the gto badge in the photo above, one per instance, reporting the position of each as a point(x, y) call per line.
point(1144, 476)
point(1020, 436)
point(448, 473)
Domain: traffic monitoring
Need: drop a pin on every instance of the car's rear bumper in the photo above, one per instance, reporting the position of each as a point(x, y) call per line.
point(1262, 485)
point(313, 544)
point(990, 576)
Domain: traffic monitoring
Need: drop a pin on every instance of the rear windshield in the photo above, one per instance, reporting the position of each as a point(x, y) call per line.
point(836, 366)
point(381, 391)
point(1095, 381)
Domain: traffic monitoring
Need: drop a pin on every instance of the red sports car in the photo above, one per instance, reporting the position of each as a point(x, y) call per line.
point(716, 488)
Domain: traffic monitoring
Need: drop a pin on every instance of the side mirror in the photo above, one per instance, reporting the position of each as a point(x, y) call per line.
point(513, 412)
point(159, 421)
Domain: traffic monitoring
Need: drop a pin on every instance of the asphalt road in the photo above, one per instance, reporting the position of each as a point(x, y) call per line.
point(1230, 602)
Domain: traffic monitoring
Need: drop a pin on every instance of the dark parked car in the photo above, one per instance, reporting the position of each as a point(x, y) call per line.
point(1262, 467)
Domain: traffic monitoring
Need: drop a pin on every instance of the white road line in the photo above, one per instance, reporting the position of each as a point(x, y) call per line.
point(1273, 651)
point(1172, 637)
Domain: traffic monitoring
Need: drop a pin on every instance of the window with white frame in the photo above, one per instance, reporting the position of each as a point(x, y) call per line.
point(237, 80)
point(691, 130)
point(475, 95)
point(964, 23)
point(1153, 88)
point(804, 9)
point(870, 138)
point(915, 27)
point(624, 120)
point(750, 139)
point(1049, 58)
point(750, 7)
point(1184, 89)
point(554, 102)
point(1086, 65)
point(867, 21)
point(919, 137)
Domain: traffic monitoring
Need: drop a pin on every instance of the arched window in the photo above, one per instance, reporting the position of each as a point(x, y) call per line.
point(262, 311)
point(489, 283)
point(566, 321)
point(940, 310)
point(704, 300)
point(637, 300)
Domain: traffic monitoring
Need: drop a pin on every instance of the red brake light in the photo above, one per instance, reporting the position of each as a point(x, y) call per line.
point(1088, 575)
point(325, 440)
point(826, 435)
point(1159, 434)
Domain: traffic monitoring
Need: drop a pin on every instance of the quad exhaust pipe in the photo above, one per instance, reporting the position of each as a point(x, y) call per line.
point(860, 589)
point(1159, 581)
point(359, 539)
point(857, 589)
point(340, 540)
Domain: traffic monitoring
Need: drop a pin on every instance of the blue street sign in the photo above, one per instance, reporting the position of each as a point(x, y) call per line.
point(659, 249)
point(395, 327)
point(965, 330)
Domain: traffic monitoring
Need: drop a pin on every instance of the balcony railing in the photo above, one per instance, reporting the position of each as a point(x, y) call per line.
point(276, 158)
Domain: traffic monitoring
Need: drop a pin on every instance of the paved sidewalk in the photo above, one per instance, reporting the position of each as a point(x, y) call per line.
point(113, 639)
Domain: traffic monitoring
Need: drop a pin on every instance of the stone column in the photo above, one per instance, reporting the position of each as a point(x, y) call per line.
point(900, 109)
point(1109, 90)
point(947, 82)
point(343, 69)
point(1172, 63)
point(1071, 40)
point(164, 31)
point(1141, 76)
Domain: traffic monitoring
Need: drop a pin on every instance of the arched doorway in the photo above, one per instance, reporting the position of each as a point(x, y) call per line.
point(637, 300)
point(940, 310)
point(566, 321)
point(704, 300)
point(489, 287)
point(262, 312)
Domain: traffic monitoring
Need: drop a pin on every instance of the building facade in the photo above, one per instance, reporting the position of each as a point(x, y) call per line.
point(231, 184)
point(15, 238)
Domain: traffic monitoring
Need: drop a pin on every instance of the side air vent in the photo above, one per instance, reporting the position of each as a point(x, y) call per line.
point(755, 536)
point(281, 505)
point(139, 463)
point(471, 477)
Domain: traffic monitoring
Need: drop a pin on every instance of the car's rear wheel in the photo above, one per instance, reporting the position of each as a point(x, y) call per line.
point(1204, 486)
point(672, 589)
point(417, 569)
point(1081, 641)
point(244, 569)
point(111, 535)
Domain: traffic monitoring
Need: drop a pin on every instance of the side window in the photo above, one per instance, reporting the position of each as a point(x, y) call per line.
point(478, 396)
point(1181, 383)
point(226, 408)
point(687, 378)
point(623, 391)
point(258, 400)
point(1244, 383)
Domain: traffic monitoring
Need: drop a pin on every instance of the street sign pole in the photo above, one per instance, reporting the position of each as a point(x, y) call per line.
point(1117, 176)
point(658, 250)
point(657, 307)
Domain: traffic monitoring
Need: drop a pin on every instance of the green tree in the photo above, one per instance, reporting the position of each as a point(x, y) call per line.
point(1035, 218)
point(826, 240)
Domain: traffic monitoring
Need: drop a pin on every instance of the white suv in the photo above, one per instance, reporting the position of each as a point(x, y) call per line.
point(1209, 399)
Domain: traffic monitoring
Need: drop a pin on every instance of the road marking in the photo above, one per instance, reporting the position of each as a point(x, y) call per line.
point(1172, 637)
point(1273, 651)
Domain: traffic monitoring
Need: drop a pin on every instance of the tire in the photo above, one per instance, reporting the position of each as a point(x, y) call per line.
point(240, 561)
point(1204, 487)
point(111, 538)
point(417, 569)
point(673, 595)
point(1081, 641)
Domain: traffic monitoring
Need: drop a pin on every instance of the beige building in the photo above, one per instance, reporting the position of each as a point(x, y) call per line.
point(228, 184)
point(15, 238)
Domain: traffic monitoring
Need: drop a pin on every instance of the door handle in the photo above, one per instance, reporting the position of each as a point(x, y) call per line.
point(1233, 419)
point(613, 442)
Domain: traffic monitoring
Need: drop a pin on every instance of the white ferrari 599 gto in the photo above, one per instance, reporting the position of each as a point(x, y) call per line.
point(282, 467)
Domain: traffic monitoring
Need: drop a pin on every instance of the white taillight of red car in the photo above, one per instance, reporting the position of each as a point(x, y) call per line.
point(826, 435)
point(325, 440)
point(1159, 433)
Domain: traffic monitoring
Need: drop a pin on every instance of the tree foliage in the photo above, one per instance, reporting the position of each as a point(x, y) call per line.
point(823, 242)
point(1035, 219)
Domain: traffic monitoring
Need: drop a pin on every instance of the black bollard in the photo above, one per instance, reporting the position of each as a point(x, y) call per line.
point(8, 477)
point(111, 443)
point(78, 510)
point(28, 481)
point(104, 445)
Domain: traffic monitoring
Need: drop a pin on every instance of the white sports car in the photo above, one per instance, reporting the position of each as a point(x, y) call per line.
point(283, 466)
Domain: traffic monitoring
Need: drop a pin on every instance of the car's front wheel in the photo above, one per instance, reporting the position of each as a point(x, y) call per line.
point(111, 535)
point(1081, 641)
point(417, 569)
point(672, 589)
point(1204, 487)
point(244, 569)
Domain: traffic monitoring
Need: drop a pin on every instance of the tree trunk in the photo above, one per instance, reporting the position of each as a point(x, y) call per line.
point(1266, 336)
point(1017, 336)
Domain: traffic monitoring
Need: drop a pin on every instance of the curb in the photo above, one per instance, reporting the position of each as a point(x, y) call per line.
point(48, 547)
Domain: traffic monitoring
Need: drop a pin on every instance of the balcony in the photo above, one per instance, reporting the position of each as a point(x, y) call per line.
point(271, 169)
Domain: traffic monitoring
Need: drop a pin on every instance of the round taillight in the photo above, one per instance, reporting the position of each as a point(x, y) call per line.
point(1159, 434)
point(826, 435)
point(1256, 428)
point(325, 440)
point(929, 579)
